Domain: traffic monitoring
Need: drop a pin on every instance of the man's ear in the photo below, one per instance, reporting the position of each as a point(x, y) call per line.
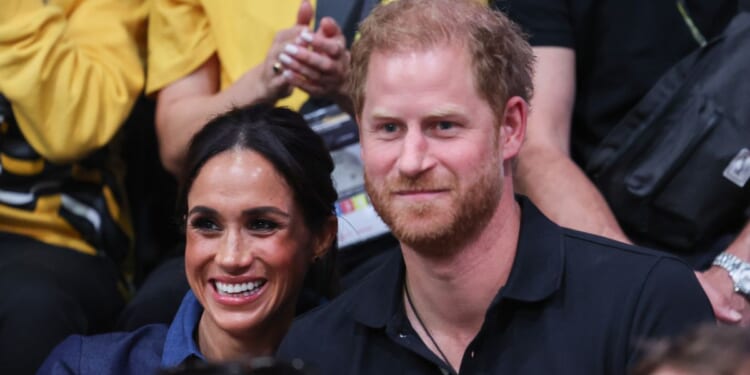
point(325, 238)
point(513, 128)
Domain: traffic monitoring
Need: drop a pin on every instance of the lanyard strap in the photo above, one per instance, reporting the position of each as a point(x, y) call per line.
point(697, 35)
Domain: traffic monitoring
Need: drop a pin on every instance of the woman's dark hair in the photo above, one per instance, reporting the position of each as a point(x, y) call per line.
point(282, 137)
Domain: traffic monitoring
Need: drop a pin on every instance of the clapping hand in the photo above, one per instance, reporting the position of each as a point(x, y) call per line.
point(318, 62)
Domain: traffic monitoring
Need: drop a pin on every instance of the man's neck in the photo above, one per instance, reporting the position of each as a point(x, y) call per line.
point(452, 293)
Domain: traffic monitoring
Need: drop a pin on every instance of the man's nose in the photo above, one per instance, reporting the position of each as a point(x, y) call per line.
point(415, 154)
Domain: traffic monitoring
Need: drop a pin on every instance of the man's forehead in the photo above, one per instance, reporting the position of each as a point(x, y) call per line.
point(437, 68)
point(442, 57)
point(415, 49)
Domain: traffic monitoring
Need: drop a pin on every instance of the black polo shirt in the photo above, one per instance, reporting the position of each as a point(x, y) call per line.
point(574, 303)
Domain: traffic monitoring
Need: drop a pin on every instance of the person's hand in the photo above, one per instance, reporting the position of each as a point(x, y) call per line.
point(729, 307)
point(273, 77)
point(318, 63)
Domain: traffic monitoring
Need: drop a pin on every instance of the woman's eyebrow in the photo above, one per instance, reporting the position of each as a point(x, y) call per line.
point(202, 210)
point(265, 210)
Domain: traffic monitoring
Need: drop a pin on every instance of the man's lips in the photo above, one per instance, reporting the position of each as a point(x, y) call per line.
point(419, 193)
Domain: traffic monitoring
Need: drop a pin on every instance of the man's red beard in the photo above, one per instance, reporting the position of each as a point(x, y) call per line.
point(441, 225)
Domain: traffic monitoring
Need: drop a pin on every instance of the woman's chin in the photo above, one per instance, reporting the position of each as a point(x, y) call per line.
point(238, 323)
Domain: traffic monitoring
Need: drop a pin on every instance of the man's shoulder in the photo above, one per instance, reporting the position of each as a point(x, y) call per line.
point(337, 312)
point(133, 352)
point(330, 329)
point(583, 247)
point(654, 293)
point(322, 334)
point(654, 279)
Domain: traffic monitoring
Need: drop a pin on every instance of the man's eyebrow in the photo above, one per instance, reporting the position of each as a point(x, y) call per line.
point(446, 111)
point(380, 114)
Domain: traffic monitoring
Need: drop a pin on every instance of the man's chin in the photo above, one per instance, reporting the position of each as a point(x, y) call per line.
point(431, 238)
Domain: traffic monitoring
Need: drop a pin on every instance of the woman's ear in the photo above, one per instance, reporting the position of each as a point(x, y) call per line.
point(325, 238)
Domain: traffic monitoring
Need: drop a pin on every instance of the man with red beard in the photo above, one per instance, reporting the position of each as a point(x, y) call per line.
point(484, 282)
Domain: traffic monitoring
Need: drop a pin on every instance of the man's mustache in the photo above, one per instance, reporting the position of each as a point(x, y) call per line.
point(421, 183)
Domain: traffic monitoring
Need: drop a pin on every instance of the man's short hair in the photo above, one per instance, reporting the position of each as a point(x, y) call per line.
point(501, 58)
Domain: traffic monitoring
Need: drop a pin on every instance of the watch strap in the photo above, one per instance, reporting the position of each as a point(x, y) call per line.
point(738, 270)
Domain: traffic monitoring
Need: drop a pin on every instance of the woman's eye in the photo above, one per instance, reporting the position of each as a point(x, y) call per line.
point(204, 224)
point(263, 225)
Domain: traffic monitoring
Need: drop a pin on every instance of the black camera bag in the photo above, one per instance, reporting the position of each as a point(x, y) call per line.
point(675, 170)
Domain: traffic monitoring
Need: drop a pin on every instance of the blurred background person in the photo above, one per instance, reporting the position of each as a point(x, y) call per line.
point(705, 350)
point(595, 60)
point(257, 200)
point(207, 56)
point(70, 73)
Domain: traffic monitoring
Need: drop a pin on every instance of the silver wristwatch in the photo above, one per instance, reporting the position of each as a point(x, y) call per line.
point(738, 270)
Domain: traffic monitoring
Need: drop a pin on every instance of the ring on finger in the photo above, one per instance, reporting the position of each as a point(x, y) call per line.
point(277, 67)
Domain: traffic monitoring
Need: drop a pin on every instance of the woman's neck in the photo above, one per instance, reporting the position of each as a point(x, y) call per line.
point(217, 344)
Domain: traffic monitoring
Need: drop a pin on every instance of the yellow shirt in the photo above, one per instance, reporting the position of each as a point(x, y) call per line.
point(72, 71)
point(183, 34)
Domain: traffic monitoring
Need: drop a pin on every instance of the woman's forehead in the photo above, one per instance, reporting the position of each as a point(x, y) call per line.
point(240, 175)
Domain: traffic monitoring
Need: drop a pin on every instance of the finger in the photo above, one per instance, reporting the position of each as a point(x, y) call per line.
point(288, 35)
point(305, 13)
point(720, 304)
point(291, 64)
point(333, 46)
point(278, 86)
point(727, 315)
point(311, 59)
point(329, 28)
point(304, 38)
point(303, 84)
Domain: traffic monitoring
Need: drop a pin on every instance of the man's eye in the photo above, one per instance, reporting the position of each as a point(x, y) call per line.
point(390, 127)
point(445, 125)
point(262, 225)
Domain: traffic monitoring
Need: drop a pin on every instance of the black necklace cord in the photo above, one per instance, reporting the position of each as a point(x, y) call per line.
point(424, 327)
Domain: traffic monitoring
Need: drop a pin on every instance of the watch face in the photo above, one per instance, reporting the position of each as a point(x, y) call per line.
point(742, 280)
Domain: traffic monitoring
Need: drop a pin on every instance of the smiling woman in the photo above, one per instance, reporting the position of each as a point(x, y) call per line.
point(257, 202)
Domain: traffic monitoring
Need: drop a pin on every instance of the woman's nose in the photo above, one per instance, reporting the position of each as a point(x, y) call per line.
point(234, 253)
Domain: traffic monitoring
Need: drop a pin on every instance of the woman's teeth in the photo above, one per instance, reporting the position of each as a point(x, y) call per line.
point(242, 288)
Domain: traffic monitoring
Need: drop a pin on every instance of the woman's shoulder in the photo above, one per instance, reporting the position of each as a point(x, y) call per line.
point(136, 352)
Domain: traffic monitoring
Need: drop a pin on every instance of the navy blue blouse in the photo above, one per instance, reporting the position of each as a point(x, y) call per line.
point(142, 351)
